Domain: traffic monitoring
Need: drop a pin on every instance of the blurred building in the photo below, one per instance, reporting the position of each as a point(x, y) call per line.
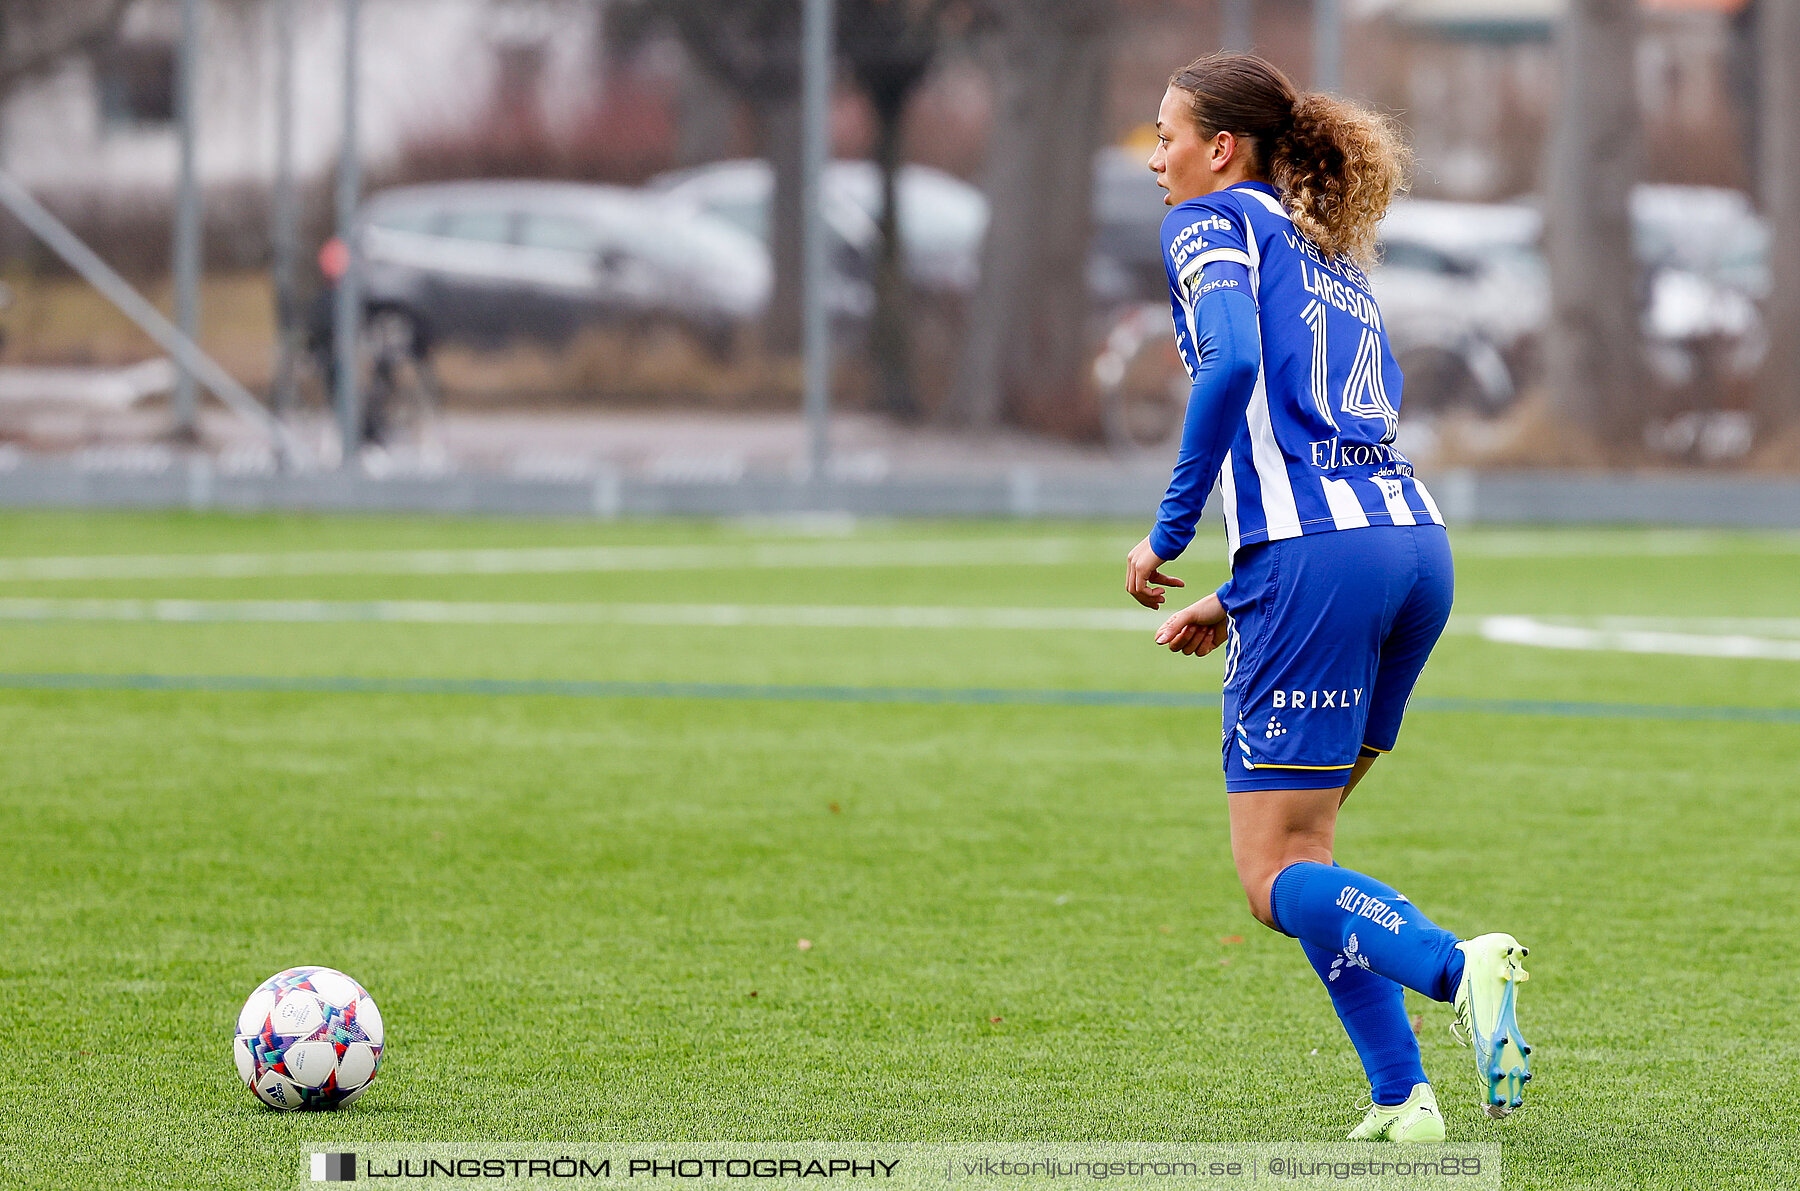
point(97, 135)
point(1475, 80)
point(455, 88)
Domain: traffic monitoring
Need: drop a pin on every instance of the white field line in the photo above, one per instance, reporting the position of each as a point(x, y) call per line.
point(1773, 626)
point(768, 556)
point(1607, 634)
point(1526, 630)
point(1472, 624)
point(566, 559)
point(1604, 634)
point(1625, 544)
point(696, 615)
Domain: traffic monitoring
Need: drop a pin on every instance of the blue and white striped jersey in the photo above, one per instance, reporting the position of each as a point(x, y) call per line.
point(1314, 451)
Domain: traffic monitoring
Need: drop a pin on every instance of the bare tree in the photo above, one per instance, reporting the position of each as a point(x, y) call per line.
point(1595, 155)
point(889, 46)
point(1025, 347)
point(1779, 123)
point(37, 36)
point(753, 48)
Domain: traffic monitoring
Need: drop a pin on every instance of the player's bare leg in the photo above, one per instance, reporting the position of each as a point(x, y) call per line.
point(1357, 772)
point(1272, 829)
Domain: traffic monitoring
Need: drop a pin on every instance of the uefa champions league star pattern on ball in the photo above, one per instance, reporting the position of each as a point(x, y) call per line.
point(308, 1038)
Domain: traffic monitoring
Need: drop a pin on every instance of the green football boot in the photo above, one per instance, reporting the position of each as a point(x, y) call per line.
point(1486, 1009)
point(1416, 1119)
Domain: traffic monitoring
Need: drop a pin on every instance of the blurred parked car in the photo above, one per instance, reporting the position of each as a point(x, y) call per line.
point(1705, 252)
point(1461, 290)
point(1464, 292)
point(942, 221)
point(485, 263)
point(1703, 255)
point(488, 263)
point(1706, 230)
point(1128, 216)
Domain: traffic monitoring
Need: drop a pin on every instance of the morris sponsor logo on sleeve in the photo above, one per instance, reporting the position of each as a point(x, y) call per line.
point(1192, 239)
point(1181, 253)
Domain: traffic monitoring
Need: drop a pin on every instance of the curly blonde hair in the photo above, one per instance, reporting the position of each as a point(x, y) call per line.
point(1337, 164)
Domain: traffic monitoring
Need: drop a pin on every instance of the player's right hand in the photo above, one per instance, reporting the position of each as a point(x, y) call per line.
point(1143, 568)
point(1197, 629)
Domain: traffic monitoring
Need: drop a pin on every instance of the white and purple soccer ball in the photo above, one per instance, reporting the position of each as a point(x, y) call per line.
point(308, 1038)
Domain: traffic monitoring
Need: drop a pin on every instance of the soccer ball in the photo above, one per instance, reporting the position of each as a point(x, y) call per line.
point(308, 1038)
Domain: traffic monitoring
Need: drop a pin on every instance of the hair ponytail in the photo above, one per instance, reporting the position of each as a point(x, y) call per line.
point(1338, 168)
point(1337, 164)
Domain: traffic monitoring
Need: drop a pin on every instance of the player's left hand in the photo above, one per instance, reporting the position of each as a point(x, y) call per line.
point(1143, 568)
point(1197, 629)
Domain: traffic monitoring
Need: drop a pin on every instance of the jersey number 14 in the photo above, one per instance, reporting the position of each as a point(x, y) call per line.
point(1365, 393)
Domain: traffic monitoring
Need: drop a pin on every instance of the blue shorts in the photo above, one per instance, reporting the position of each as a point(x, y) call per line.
point(1328, 635)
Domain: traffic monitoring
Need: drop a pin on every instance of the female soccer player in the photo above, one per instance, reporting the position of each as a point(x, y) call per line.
point(1341, 574)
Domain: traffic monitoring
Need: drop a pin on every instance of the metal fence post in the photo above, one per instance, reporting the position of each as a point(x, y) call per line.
point(1239, 26)
point(285, 216)
point(187, 217)
point(1328, 45)
point(347, 313)
point(815, 148)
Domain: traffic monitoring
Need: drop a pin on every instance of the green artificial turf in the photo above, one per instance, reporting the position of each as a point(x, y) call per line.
point(581, 915)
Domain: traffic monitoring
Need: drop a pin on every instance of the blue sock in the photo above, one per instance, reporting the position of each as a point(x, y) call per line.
point(1344, 912)
point(1373, 1010)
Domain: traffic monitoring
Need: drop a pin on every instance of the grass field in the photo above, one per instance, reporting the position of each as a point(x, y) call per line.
point(579, 903)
